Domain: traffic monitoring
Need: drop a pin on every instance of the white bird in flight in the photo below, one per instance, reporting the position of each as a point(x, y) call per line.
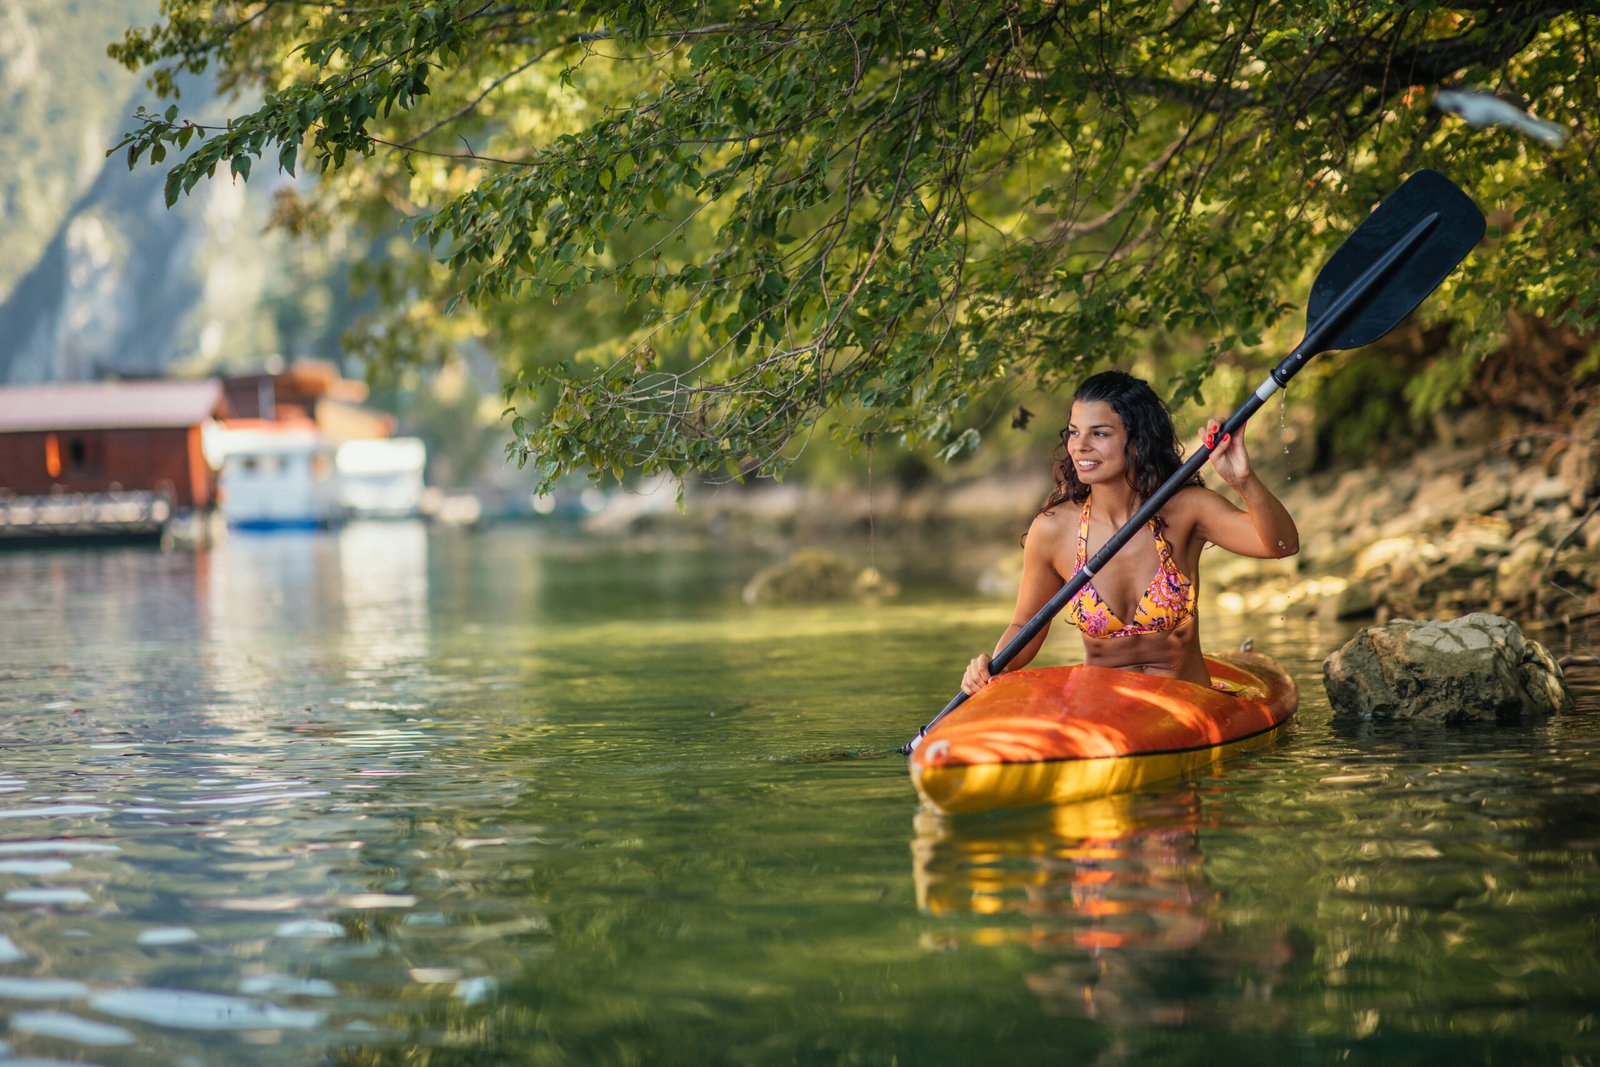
point(1482, 109)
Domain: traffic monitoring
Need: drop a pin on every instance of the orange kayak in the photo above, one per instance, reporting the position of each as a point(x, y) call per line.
point(1059, 734)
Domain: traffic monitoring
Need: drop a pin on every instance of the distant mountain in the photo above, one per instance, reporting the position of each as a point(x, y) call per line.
point(61, 101)
point(100, 279)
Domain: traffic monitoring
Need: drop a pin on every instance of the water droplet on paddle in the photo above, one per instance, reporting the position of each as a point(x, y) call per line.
point(1283, 425)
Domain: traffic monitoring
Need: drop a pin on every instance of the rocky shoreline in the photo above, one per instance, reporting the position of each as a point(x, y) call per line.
point(1492, 519)
point(1489, 517)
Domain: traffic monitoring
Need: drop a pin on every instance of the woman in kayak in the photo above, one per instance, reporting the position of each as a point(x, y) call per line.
point(1118, 448)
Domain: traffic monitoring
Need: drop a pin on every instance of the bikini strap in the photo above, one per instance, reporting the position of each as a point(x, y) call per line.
point(1083, 536)
point(1163, 546)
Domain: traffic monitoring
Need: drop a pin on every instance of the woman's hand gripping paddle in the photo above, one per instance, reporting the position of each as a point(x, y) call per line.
point(1405, 248)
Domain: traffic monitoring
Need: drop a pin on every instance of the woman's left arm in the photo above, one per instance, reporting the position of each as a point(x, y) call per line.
point(1264, 529)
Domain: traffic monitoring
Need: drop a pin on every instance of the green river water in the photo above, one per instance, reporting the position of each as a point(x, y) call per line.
point(393, 795)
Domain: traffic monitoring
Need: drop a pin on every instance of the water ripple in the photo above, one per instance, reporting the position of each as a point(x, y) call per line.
point(70, 1028)
point(202, 1011)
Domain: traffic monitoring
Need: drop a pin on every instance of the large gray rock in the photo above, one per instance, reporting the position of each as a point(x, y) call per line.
point(1476, 668)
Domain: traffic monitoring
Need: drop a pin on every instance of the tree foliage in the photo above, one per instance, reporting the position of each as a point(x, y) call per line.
point(697, 231)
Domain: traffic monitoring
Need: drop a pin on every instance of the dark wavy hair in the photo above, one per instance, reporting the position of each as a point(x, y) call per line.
point(1152, 452)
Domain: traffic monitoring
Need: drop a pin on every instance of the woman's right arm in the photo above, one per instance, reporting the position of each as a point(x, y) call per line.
point(1040, 581)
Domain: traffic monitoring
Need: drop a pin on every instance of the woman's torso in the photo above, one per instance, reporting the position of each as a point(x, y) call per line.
point(1138, 612)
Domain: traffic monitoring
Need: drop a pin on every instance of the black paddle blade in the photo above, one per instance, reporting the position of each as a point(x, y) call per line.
point(1413, 276)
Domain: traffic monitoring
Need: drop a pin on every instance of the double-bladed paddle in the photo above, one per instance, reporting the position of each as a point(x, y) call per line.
point(1400, 254)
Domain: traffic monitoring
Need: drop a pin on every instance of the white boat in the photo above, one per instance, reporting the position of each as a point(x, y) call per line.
point(278, 477)
point(382, 477)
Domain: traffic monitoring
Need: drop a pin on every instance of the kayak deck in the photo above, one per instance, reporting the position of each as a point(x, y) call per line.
point(1059, 734)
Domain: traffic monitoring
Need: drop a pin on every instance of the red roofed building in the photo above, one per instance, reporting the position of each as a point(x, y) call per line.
point(97, 437)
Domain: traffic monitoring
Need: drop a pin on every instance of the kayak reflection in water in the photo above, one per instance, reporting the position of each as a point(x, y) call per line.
point(1117, 449)
point(1115, 895)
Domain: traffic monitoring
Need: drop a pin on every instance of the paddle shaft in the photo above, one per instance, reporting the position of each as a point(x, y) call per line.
point(1309, 346)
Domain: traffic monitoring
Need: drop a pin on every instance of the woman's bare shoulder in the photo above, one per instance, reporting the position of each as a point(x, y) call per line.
point(1192, 500)
point(1189, 507)
point(1059, 518)
point(1053, 529)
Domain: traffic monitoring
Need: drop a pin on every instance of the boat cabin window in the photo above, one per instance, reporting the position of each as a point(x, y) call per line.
point(83, 454)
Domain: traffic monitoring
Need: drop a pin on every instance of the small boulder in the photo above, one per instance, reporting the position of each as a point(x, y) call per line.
point(815, 574)
point(1479, 667)
point(1357, 600)
point(1392, 555)
point(1579, 466)
point(873, 583)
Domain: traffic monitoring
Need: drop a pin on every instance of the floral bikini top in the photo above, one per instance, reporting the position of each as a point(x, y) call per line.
point(1168, 601)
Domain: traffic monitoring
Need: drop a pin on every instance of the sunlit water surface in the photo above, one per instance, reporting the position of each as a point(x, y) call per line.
point(391, 796)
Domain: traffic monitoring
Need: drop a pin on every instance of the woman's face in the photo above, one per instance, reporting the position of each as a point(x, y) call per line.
point(1097, 442)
